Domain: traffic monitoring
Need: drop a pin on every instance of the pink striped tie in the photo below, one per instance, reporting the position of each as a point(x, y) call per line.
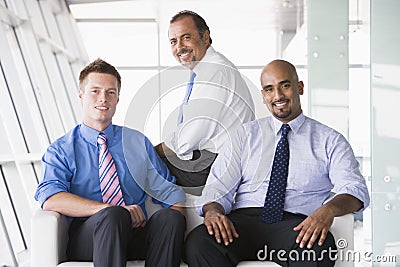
point(109, 182)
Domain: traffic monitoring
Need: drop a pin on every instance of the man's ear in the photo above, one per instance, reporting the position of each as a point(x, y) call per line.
point(206, 37)
point(80, 95)
point(301, 87)
point(262, 96)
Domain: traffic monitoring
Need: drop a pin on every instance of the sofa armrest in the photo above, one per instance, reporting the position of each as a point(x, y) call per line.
point(46, 250)
point(343, 231)
point(193, 219)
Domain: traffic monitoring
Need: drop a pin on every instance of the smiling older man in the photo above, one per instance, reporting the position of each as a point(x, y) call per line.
point(217, 100)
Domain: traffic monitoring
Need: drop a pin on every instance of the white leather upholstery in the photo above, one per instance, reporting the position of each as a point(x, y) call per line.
point(49, 238)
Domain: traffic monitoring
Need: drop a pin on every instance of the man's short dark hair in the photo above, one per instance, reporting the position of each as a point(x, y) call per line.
point(200, 23)
point(99, 66)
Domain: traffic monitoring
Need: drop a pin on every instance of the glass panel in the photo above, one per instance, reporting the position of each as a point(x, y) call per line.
point(359, 115)
point(115, 9)
point(260, 52)
point(21, 93)
point(8, 212)
point(133, 88)
point(328, 62)
point(7, 256)
point(359, 50)
point(359, 32)
point(385, 97)
point(137, 47)
point(5, 145)
point(252, 77)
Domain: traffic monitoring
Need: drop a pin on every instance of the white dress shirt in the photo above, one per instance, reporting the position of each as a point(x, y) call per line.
point(321, 160)
point(219, 102)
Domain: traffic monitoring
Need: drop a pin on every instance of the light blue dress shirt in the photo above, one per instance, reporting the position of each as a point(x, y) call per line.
point(321, 160)
point(70, 164)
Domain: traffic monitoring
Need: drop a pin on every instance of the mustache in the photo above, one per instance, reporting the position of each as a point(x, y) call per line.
point(184, 50)
point(281, 100)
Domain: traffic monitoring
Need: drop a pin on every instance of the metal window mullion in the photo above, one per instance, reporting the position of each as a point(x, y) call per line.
point(8, 240)
point(43, 122)
point(14, 109)
point(13, 208)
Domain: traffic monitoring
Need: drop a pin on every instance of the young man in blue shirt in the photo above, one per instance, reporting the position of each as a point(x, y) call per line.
point(100, 174)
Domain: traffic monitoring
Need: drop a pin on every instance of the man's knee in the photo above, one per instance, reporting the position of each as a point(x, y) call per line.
point(114, 216)
point(197, 240)
point(328, 245)
point(170, 216)
point(323, 255)
point(328, 251)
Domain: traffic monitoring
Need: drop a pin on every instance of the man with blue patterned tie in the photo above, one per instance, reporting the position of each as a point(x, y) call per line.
point(100, 174)
point(269, 188)
point(217, 100)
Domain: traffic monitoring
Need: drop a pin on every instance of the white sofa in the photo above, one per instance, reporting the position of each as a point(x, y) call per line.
point(50, 234)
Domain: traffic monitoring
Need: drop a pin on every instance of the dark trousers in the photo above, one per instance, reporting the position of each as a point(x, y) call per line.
point(107, 238)
point(257, 241)
point(191, 174)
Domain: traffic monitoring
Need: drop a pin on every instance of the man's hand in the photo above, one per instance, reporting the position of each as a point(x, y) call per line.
point(218, 224)
point(320, 221)
point(314, 226)
point(137, 216)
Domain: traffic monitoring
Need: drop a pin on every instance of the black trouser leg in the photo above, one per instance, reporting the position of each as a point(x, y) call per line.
point(191, 174)
point(201, 250)
point(102, 238)
point(165, 233)
point(317, 256)
point(257, 241)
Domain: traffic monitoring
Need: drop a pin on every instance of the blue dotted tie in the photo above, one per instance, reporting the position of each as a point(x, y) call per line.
point(275, 199)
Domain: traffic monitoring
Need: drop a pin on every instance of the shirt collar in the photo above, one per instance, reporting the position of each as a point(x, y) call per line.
point(294, 124)
point(209, 53)
point(90, 134)
point(208, 58)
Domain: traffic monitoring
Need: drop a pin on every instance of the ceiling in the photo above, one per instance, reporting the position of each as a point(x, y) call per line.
point(280, 15)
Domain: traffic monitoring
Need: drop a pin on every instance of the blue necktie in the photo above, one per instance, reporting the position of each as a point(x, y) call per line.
point(186, 98)
point(275, 199)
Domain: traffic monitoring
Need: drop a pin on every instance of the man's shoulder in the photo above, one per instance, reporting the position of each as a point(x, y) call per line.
point(321, 131)
point(67, 138)
point(313, 123)
point(65, 144)
point(128, 134)
point(128, 131)
point(256, 127)
point(217, 58)
point(257, 123)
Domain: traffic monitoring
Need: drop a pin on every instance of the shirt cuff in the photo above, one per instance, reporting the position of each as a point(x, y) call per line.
point(42, 196)
point(212, 197)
